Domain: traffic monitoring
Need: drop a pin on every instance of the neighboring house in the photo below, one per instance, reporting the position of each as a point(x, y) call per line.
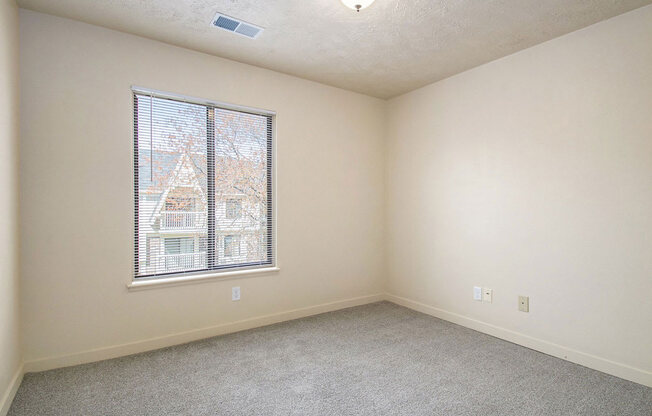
point(173, 216)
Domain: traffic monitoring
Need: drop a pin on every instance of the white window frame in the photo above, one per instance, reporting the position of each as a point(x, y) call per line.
point(136, 284)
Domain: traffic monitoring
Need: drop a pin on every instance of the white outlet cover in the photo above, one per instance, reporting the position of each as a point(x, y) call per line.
point(477, 293)
point(235, 293)
point(487, 294)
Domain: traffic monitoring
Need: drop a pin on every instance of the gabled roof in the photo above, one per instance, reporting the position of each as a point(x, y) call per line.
point(184, 164)
point(156, 172)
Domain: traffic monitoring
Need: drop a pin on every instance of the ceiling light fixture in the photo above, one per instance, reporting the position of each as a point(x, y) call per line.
point(357, 5)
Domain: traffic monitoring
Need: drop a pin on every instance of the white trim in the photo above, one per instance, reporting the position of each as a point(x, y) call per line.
point(156, 282)
point(10, 393)
point(202, 101)
point(597, 363)
point(604, 365)
point(194, 335)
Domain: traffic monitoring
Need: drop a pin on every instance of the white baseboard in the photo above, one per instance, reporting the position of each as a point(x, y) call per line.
point(189, 336)
point(597, 363)
point(588, 360)
point(8, 396)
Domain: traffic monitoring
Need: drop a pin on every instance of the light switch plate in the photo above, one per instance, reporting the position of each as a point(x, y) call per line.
point(235, 293)
point(477, 293)
point(524, 303)
point(487, 294)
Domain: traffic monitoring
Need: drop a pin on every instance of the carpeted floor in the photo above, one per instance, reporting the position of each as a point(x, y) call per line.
point(378, 359)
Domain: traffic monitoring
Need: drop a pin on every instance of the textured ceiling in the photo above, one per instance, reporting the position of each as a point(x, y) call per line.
point(390, 48)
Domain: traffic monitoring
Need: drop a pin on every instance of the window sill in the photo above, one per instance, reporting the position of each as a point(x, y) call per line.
point(196, 278)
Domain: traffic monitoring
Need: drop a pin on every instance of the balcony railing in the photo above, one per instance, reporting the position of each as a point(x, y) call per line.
point(177, 262)
point(181, 220)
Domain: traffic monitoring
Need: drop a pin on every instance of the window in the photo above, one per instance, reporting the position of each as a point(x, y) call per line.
point(233, 209)
point(180, 254)
point(231, 245)
point(199, 170)
point(179, 245)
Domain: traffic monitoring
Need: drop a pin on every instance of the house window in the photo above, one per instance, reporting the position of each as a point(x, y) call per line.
point(196, 165)
point(179, 245)
point(233, 209)
point(231, 245)
point(179, 253)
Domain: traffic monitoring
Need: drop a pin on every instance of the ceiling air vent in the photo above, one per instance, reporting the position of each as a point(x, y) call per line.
point(236, 26)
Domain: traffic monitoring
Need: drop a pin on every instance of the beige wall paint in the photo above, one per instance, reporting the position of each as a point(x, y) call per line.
point(77, 203)
point(529, 175)
point(10, 356)
point(532, 175)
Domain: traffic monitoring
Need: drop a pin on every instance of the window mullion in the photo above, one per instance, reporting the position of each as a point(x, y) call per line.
point(210, 172)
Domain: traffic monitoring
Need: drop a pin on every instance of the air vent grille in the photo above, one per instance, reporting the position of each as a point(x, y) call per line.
point(247, 30)
point(237, 26)
point(226, 23)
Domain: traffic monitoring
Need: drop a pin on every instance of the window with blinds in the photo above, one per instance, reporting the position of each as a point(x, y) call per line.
point(203, 186)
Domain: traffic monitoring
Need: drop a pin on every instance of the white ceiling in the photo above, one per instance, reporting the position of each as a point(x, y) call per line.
point(390, 48)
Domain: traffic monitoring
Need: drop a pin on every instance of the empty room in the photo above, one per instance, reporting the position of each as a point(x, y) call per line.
point(325, 207)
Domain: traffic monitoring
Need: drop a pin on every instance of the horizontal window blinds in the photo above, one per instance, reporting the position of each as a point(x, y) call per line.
point(203, 187)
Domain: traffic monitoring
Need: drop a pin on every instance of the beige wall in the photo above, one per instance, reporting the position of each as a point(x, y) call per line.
point(77, 203)
point(10, 356)
point(532, 175)
point(529, 175)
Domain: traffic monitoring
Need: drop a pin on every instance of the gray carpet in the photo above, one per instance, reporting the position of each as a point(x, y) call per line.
point(379, 359)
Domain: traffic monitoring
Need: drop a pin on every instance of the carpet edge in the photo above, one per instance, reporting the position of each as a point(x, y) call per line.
point(115, 351)
point(604, 365)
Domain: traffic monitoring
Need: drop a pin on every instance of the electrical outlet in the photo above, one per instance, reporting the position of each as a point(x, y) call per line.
point(487, 294)
point(477, 293)
point(235, 293)
point(524, 303)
